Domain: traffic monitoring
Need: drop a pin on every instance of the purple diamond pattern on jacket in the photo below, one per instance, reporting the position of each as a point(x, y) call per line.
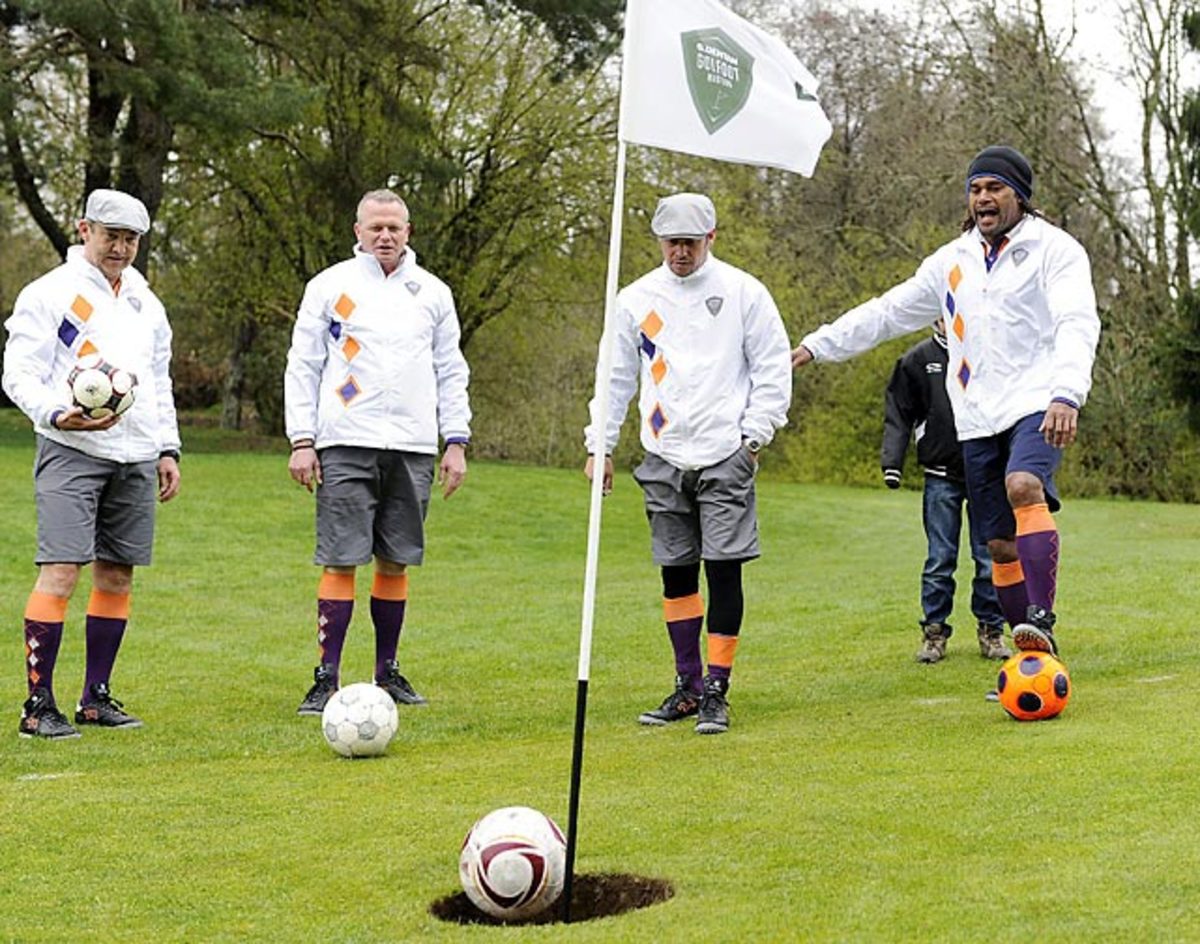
point(658, 419)
point(964, 374)
point(649, 347)
point(67, 332)
point(349, 390)
point(335, 328)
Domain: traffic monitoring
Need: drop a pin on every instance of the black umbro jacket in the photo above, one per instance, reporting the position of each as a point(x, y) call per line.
point(916, 399)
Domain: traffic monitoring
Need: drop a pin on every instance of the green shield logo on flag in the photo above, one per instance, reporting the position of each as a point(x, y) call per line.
point(719, 74)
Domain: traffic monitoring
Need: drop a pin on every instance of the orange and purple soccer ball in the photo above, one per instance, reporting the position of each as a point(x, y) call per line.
point(1033, 686)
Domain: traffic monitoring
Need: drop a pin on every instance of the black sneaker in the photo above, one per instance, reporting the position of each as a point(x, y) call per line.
point(41, 718)
point(324, 685)
point(714, 708)
point(397, 686)
point(681, 703)
point(1036, 634)
point(103, 710)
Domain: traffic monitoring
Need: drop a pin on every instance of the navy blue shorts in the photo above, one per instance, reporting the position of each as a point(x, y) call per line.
point(988, 461)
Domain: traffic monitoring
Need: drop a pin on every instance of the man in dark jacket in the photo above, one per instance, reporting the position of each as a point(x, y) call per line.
point(916, 403)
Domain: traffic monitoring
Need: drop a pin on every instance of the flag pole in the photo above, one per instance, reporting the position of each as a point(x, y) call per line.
point(600, 427)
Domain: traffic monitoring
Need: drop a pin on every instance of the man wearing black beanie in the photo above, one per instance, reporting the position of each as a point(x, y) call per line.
point(1017, 296)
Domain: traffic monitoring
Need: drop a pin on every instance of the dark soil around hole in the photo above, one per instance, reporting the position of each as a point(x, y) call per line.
point(594, 896)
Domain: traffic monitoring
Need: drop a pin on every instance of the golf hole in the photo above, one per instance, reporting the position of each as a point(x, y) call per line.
point(594, 896)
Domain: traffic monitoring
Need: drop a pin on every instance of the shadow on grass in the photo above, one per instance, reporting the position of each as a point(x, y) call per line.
point(595, 896)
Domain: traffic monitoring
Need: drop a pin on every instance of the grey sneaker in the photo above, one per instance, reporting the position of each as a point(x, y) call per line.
point(104, 711)
point(1036, 634)
point(397, 686)
point(324, 685)
point(933, 646)
point(991, 642)
point(713, 717)
point(41, 718)
point(681, 703)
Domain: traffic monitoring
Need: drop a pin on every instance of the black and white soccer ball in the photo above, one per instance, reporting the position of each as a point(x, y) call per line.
point(359, 720)
point(101, 389)
point(513, 863)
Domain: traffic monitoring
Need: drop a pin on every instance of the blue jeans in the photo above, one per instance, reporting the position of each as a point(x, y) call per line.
point(942, 516)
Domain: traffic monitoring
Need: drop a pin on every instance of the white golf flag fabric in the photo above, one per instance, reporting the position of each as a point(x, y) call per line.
point(701, 80)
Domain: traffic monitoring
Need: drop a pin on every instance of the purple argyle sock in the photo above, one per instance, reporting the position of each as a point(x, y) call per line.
point(388, 617)
point(685, 620)
point(104, 635)
point(42, 640)
point(1039, 561)
point(333, 622)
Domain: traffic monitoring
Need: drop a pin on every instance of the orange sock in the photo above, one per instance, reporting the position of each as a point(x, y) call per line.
point(721, 650)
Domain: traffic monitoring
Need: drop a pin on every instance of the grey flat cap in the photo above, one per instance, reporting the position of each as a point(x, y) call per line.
point(117, 210)
point(684, 216)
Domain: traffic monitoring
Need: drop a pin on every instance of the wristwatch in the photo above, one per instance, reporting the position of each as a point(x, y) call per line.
point(752, 444)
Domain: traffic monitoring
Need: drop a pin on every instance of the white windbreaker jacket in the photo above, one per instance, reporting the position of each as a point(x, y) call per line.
point(1019, 336)
point(72, 311)
point(714, 362)
point(375, 360)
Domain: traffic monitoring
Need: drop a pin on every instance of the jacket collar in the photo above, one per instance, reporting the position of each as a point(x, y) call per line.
point(407, 262)
point(1027, 229)
point(698, 277)
point(131, 278)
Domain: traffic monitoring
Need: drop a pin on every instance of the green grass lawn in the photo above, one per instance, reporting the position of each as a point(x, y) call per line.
point(858, 797)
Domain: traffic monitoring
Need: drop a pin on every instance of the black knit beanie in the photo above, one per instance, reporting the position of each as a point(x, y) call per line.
point(1004, 163)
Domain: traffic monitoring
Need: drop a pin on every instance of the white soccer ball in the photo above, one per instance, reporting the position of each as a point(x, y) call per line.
point(99, 388)
point(359, 720)
point(513, 863)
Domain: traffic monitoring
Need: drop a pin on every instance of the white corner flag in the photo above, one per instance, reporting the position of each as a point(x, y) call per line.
point(701, 80)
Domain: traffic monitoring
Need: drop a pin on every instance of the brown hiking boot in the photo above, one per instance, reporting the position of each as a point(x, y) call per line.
point(933, 649)
point(991, 642)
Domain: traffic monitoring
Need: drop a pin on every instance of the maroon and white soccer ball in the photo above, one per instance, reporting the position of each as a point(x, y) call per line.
point(99, 388)
point(513, 863)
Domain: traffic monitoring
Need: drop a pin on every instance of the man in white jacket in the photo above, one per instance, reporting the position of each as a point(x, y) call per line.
point(711, 352)
point(374, 376)
point(95, 480)
point(1017, 296)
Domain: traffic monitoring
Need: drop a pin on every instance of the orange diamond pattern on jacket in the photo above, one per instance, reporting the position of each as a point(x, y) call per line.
point(82, 308)
point(86, 348)
point(957, 324)
point(344, 306)
point(350, 348)
point(651, 324)
point(658, 369)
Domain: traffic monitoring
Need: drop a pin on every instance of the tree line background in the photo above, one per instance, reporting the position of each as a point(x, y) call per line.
point(250, 128)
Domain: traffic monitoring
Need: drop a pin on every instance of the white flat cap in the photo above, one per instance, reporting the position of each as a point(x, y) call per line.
point(684, 216)
point(117, 210)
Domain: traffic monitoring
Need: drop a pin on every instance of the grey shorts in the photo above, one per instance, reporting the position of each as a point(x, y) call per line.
point(92, 509)
point(707, 514)
point(372, 502)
